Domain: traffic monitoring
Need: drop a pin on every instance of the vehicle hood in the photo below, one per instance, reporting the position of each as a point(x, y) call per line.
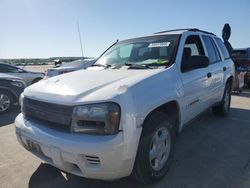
point(86, 85)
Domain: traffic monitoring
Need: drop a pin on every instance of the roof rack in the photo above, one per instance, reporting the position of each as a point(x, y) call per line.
point(186, 29)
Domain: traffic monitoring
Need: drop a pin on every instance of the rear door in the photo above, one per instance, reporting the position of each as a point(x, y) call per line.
point(226, 64)
point(215, 68)
point(196, 84)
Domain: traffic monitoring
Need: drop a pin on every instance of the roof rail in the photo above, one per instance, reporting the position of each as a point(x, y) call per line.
point(195, 29)
point(186, 29)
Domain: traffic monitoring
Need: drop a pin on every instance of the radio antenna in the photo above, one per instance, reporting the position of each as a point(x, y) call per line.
point(80, 39)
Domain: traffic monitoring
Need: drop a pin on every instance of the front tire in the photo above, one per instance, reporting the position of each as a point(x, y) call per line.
point(155, 150)
point(223, 108)
point(6, 101)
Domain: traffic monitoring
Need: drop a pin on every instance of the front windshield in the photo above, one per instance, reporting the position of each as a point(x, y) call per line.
point(154, 50)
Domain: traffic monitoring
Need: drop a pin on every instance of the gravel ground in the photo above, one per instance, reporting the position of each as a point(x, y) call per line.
point(211, 152)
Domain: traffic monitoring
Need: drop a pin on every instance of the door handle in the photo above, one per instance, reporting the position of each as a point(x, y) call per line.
point(224, 68)
point(209, 75)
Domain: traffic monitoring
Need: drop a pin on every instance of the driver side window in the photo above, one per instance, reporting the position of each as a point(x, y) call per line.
point(192, 47)
point(8, 69)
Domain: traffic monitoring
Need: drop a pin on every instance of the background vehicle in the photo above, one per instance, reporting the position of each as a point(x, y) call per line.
point(69, 67)
point(123, 118)
point(27, 76)
point(10, 89)
point(241, 58)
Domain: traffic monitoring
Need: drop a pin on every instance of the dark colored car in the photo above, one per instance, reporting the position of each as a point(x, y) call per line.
point(241, 58)
point(10, 89)
point(27, 76)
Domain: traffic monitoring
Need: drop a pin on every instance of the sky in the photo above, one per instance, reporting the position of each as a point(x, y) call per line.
point(48, 28)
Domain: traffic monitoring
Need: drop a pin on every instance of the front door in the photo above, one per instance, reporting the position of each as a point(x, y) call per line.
point(196, 82)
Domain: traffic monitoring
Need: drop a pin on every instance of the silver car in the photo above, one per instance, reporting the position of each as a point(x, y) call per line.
point(27, 76)
point(69, 67)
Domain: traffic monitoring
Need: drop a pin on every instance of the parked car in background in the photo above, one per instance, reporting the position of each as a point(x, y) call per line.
point(69, 67)
point(121, 116)
point(27, 76)
point(11, 88)
point(241, 58)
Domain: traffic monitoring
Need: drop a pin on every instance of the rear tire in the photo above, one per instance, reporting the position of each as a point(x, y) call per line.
point(155, 150)
point(223, 108)
point(6, 101)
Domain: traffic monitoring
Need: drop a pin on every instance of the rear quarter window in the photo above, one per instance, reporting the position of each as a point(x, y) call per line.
point(222, 48)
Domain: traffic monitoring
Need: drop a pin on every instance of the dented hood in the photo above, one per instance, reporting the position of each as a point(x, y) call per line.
point(85, 85)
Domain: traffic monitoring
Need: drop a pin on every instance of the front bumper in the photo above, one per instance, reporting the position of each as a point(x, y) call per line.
point(98, 157)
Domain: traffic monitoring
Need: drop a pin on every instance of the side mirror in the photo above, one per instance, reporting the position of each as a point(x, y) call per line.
point(196, 62)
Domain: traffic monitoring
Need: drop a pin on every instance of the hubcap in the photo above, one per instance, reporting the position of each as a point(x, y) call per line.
point(4, 102)
point(160, 148)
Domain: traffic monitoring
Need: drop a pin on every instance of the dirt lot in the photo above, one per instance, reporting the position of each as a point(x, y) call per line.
point(36, 68)
point(211, 152)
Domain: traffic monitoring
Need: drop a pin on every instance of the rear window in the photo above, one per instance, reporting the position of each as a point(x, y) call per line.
point(239, 54)
point(222, 48)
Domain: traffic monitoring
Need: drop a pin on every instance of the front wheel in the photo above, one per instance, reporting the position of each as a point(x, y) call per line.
point(223, 108)
point(155, 150)
point(6, 101)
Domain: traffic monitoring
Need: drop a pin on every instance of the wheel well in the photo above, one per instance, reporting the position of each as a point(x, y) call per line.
point(36, 80)
point(170, 108)
point(230, 80)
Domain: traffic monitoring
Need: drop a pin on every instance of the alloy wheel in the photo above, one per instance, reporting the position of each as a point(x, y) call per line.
point(4, 102)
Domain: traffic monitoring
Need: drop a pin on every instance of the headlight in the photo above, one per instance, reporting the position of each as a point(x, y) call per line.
point(21, 101)
point(18, 83)
point(103, 118)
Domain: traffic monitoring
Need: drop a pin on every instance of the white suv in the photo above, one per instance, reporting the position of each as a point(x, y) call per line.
point(121, 116)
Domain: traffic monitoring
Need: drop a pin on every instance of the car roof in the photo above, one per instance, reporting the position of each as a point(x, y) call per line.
point(181, 31)
point(174, 32)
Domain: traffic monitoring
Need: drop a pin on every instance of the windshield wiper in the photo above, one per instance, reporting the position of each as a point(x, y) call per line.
point(139, 66)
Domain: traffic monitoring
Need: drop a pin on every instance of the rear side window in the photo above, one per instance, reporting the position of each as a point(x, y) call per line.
point(216, 50)
point(210, 49)
point(8, 69)
point(222, 48)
